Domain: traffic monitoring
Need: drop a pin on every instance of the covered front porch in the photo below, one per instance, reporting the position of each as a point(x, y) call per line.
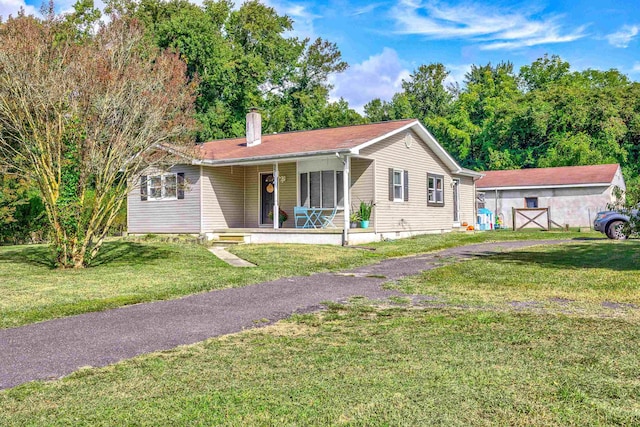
point(314, 197)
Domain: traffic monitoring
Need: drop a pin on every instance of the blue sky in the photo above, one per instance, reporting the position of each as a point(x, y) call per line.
point(384, 41)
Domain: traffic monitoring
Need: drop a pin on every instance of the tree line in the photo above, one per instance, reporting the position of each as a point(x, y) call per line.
point(235, 58)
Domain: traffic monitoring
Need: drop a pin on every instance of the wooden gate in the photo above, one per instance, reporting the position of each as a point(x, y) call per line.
point(537, 217)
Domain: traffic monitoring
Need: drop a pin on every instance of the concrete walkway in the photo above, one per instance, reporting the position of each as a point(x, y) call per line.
point(55, 348)
point(226, 256)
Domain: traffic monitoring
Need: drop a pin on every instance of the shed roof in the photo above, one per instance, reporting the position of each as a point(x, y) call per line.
point(549, 177)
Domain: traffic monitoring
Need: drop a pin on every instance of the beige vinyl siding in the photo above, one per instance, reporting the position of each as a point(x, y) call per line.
point(467, 200)
point(288, 195)
point(167, 216)
point(362, 184)
point(418, 159)
point(222, 197)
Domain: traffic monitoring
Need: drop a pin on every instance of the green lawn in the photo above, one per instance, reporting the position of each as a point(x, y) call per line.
point(474, 359)
point(363, 367)
point(128, 272)
point(594, 277)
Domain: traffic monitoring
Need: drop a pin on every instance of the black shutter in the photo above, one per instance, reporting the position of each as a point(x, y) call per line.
point(391, 184)
point(143, 188)
point(406, 186)
point(180, 189)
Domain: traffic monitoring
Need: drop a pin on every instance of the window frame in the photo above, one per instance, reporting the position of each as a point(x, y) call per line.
point(336, 183)
point(434, 201)
point(535, 198)
point(401, 185)
point(163, 186)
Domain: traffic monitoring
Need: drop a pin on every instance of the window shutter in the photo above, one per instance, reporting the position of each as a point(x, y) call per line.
point(143, 188)
point(180, 189)
point(391, 184)
point(406, 186)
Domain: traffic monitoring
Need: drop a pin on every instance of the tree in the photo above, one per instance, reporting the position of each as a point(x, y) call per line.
point(22, 215)
point(80, 115)
point(544, 71)
point(426, 92)
point(243, 57)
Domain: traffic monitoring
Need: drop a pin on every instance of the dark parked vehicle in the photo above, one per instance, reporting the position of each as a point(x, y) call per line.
point(613, 224)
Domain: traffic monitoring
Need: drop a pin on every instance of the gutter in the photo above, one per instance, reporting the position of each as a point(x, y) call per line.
point(470, 173)
point(262, 159)
point(540, 187)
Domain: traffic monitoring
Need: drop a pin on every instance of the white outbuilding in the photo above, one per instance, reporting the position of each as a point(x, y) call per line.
point(573, 194)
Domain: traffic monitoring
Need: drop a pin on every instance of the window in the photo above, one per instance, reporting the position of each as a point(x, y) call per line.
point(168, 186)
point(531, 202)
point(435, 190)
point(398, 185)
point(322, 189)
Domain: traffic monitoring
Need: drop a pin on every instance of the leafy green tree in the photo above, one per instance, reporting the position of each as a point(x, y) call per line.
point(381, 111)
point(22, 213)
point(242, 58)
point(425, 90)
point(543, 72)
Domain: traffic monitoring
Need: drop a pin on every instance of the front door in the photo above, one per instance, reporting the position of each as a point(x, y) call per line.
point(456, 200)
point(266, 198)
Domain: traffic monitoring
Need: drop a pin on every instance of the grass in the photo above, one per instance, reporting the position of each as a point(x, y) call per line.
point(360, 366)
point(590, 277)
point(475, 360)
point(128, 272)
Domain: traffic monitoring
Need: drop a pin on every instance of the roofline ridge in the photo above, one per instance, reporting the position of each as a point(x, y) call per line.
point(313, 130)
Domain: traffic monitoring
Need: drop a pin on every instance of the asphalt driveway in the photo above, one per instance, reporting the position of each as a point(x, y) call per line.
point(56, 348)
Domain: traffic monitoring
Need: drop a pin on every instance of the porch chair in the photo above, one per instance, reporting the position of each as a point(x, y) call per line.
point(301, 213)
point(327, 220)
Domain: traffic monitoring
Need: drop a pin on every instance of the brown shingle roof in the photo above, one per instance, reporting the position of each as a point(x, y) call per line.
point(301, 142)
point(567, 175)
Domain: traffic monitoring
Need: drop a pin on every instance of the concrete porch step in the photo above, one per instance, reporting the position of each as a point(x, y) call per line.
point(223, 243)
point(239, 238)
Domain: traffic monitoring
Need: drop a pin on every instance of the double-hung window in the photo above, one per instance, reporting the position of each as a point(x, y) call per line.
point(398, 185)
point(435, 190)
point(322, 189)
point(167, 186)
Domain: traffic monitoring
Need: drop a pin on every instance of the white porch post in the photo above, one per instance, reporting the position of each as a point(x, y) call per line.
point(276, 190)
point(346, 180)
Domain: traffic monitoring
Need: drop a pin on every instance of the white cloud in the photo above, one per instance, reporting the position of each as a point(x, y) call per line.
point(379, 76)
point(492, 28)
point(11, 7)
point(300, 13)
point(366, 9)
point(623, 37)
point(636, 68)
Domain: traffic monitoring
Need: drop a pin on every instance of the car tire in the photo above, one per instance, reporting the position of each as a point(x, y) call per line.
point(615, 230)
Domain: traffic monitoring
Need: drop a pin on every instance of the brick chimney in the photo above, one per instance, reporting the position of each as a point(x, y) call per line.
point(254, 128)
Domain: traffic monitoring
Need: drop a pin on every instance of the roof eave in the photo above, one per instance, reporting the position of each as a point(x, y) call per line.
point(468, 172)
point(265, 159)
point(543, 187)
